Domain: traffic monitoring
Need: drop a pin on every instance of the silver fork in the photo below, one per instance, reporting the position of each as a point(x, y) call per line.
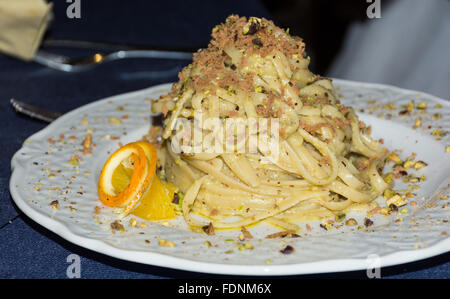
point(68, 64)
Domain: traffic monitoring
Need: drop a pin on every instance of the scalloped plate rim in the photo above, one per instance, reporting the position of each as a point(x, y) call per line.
point(167, 261)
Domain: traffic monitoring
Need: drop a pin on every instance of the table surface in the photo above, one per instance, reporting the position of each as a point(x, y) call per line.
point(31, 251)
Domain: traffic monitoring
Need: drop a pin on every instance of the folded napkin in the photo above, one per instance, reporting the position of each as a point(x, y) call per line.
point(22, 25)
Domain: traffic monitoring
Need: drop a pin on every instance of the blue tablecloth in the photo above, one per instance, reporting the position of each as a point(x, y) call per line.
point(28, 250)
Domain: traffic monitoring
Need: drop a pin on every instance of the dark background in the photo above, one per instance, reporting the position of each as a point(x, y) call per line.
point(321, 23)
point(28, 250)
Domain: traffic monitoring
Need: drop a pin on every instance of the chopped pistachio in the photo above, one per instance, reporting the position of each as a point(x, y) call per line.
point(414, 180)
point(114, 120)
point(409, 194)
point(408, 164)
point(436, 116)
point(419, 164)
point(396, 200)
point(418, 123)
point(422, 105)
point(410, 106)
point(165, 243)
point(245, 246)
point(241, 237)
point(339, 217)
point(388, 193)
point(248, 245)
point(395, 158)
point(388, 177)
point(384, 211)
point(133, 222)
point(435, 132)
point(73, 161)
point(389, 106)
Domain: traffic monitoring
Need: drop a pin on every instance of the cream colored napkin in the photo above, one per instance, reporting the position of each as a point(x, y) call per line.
point(22, 25)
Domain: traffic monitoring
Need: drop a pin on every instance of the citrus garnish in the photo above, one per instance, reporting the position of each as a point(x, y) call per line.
point(156, 204)
point(116, 187)
point(121, 177)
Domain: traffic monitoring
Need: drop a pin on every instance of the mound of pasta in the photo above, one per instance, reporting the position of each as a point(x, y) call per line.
point(321, 163)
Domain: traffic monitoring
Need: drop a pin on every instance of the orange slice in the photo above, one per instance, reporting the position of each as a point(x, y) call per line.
point(156, 204)
point(116, 188)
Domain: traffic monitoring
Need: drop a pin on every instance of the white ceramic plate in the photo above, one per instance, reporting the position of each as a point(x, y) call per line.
point(42, 174)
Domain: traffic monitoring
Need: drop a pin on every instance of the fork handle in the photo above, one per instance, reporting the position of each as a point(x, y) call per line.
point(148, 54)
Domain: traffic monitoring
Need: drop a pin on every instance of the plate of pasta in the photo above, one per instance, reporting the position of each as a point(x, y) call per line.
point(250, 164)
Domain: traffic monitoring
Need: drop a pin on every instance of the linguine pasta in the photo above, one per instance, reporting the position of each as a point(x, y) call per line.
point(323, 163)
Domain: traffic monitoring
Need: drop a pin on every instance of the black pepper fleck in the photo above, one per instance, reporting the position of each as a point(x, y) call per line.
point(287, 250)
point(367, 222)
point(176, 198)
point(257, 42)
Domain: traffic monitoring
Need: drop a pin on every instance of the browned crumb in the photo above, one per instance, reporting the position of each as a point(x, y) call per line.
point(246, 234)
point(368, 222)
point(117, 226)
point(393, 208)
point(242, 33)
point(97, 210)
point(209, 229)
point(287, 250)
point(54, 204)
point(87, 144)
point(351, 222)
point(287, 233)
point(308, 228)
point(213, 213)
